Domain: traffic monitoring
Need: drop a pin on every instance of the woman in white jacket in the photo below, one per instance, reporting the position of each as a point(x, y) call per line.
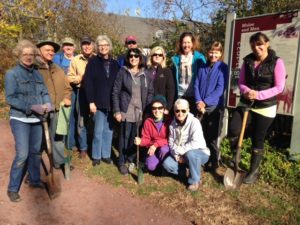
point(187, 145)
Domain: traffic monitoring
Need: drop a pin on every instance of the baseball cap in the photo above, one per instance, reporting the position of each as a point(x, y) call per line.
point(68, 40)
point(86, 40)
point(130, 38)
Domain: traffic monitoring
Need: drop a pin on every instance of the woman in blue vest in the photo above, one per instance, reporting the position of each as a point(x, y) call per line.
point(185, 67)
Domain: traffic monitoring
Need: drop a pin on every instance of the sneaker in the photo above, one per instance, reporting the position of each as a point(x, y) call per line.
point(131, 167)
point(193, 187)
point(82, 154)
point(14, 196)
point(40, 185)
point(96, 162)
point(123, 170)
point(107, 160)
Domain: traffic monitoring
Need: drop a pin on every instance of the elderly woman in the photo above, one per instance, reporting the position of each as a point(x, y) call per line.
point(163, 83)
point(187, 145)
point(155, 134)
point(132, 92)
point(262, 78)
point(185, 67)
point(99, 78)
point(29, 100)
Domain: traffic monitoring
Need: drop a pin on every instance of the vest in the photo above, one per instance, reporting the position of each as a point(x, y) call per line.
point(261, 79)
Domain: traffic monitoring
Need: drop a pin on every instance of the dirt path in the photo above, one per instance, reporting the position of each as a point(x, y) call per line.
point(83, 200)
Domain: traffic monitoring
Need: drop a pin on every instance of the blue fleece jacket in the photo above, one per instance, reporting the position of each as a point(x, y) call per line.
point(210, 84)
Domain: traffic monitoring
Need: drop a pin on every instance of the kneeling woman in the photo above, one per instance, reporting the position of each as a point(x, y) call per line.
point(155, 134)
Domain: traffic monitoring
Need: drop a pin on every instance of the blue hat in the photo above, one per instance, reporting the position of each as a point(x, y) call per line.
point(159, 98)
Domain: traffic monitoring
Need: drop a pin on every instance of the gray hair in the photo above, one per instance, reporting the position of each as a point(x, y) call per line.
point(181, 101)
point(103, 38)
point(18, 50)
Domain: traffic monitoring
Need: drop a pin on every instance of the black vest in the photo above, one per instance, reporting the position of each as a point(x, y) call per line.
point(260, 80)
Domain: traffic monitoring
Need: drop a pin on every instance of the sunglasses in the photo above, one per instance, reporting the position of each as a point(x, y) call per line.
point(156, 54)
point(131, 42)
point(180, 110)
point(157, 108)
point(133, 55)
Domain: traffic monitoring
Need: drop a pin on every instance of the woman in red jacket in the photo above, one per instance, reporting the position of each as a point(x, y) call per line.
point(155, 133)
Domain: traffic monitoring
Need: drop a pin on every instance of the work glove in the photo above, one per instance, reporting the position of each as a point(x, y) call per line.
point(39, 109)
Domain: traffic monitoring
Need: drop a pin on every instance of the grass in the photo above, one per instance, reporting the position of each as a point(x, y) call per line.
point(212, 204)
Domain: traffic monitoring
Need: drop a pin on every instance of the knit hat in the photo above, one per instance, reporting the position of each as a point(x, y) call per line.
point(159, 98)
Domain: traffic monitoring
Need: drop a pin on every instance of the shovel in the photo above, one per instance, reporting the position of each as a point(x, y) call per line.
point(234, 178)
point(140, 174)
point(52, 181)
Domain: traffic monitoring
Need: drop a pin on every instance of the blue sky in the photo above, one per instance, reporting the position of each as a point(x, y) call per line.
point(132, 7)
point(144, 8)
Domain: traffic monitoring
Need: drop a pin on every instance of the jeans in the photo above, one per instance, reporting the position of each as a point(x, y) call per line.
point(127, 148)
point(72, 133)
point(83, 119)
point(102, 135)
point(153, 160)
point(57, 140)
point(194, 159)
point(28, 138)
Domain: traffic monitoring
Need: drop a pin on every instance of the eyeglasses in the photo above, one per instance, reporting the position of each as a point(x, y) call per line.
point(156, 54)
point(133, 55)
point(28, 55)
point(131, 42)
point(180, 110)
point(157, 108)
point(105, 45)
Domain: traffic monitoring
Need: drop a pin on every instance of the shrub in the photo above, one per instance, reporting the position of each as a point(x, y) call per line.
point(276, 168)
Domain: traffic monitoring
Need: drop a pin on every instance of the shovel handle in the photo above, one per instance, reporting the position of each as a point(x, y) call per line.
point(245, 117)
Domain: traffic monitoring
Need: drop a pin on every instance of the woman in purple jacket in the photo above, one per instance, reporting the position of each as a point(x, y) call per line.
point(209, 89)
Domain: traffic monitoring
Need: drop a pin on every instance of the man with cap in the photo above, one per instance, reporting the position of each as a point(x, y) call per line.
point(75, 75)
point(60, 93)
point(130, 42)
point(155, 133)
point(64, 58)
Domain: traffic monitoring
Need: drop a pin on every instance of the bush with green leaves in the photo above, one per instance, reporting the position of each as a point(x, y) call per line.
point(276, 168)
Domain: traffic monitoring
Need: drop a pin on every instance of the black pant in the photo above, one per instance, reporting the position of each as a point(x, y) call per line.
point(212, 125)
point(259, 125)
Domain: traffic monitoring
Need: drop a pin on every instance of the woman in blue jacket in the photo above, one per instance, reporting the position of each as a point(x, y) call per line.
point(209, 89)
point(28, 98)
point(185, 67)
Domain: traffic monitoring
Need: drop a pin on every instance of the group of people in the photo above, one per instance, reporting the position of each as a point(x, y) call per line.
point(179, 109)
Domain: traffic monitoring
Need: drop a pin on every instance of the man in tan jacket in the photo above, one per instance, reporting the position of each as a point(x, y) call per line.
point(75, 75)
point(60, 93)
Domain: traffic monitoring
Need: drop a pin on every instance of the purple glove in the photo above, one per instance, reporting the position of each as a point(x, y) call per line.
point(39, 109)
point(49, 107)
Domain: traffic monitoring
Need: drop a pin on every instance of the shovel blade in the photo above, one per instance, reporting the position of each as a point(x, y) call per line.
point(53, 185)
point(233, 179)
